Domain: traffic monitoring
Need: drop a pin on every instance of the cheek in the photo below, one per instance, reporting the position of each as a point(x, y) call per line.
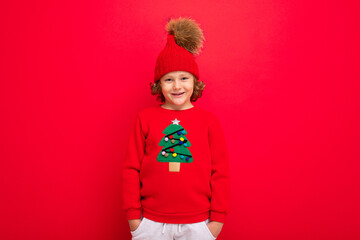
point(190, 88)
point(165, 90)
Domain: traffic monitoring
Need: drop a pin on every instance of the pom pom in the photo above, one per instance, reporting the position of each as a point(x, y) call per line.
point(187, 34)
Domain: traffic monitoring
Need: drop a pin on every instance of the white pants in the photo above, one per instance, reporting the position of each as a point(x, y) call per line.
point(151, 230)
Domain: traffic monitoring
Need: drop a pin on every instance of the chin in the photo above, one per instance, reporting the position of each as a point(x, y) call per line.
point(178, 103)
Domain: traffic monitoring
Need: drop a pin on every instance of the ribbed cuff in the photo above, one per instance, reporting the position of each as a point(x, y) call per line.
point(133, 213)
point(217, 216)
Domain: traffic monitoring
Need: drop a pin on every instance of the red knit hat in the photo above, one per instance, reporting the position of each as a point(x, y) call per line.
point(184, 40)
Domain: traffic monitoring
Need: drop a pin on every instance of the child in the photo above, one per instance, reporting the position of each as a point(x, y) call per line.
point(176, 182)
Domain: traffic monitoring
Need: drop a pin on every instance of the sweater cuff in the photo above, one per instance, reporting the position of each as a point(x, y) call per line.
point(217, 216)
point(133, 213)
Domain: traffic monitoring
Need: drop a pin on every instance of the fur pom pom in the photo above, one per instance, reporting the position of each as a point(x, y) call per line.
point(187, 34)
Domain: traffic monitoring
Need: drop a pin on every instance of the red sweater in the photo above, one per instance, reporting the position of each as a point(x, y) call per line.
point(191, 139)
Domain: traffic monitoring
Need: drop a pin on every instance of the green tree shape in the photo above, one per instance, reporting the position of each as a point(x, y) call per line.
point(175, 145)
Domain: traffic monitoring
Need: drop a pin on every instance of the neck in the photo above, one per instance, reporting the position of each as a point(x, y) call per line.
point(177, 107)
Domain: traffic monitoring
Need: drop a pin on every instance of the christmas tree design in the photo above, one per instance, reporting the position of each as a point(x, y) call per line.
point(175, 147)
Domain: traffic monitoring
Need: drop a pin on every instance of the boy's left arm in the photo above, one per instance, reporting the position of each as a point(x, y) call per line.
point(220, 177)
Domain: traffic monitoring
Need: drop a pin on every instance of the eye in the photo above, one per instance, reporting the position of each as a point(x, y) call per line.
point(184, 78)
point(168, 79)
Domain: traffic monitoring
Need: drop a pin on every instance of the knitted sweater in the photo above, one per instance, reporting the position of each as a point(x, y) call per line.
point(176, 168)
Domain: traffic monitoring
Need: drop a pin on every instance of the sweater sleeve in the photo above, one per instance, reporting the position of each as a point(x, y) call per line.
point(220, 174)
point(131, 170)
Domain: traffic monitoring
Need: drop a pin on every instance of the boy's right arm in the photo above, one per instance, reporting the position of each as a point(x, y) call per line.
point(130, 173)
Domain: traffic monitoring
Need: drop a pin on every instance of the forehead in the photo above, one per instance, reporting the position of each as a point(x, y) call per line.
point(177, 73)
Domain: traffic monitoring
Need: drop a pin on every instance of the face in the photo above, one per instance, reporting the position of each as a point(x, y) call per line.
point(175, 83)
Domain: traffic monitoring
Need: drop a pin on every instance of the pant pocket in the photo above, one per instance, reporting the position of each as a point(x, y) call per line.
point(139, 228)
point(207, 229)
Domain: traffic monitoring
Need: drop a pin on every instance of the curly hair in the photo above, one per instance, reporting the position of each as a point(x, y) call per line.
point(197, 93)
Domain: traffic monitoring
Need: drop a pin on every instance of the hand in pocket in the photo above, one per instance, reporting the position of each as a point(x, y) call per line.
point(134, 224)
point(214, 228)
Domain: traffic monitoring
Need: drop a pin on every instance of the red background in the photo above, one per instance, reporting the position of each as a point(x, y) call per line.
point(279, 74)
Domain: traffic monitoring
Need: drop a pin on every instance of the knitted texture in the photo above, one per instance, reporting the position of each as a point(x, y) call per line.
point(174, 58)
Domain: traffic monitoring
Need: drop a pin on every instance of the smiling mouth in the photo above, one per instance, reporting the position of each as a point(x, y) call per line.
point(178, 94)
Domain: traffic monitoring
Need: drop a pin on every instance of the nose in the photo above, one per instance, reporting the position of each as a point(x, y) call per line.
point(176, 84)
